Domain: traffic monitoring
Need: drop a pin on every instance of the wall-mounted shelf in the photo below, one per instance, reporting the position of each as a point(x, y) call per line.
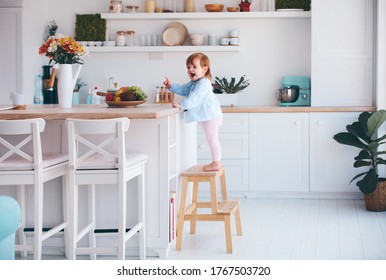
point(204, 15)
point(186, 16)
point(165, 49)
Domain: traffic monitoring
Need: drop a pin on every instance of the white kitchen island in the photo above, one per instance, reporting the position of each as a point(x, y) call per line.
point(158, 130)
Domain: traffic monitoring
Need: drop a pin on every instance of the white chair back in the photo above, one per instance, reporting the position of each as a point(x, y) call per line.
point(22, 162)
point(89, 142)
point(18, 154)
point(97, 156)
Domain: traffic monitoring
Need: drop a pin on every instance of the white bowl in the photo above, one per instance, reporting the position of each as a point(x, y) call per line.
point(197, 39)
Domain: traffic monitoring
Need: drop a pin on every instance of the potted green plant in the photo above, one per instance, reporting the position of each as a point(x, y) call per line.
point(293, 4)
point(363, 134)
point(226, 90)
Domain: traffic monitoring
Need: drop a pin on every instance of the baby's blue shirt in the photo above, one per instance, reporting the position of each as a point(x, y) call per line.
point(200, 103)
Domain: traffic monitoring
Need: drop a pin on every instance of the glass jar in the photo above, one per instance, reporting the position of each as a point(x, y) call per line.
point(130, 38)
point(190, 6)
point(159, 6)
point(150, 6)
point(168, 6)
point(116, 6)
point(121, 38)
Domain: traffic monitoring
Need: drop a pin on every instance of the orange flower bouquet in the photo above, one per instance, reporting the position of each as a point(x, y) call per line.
point(63, 50)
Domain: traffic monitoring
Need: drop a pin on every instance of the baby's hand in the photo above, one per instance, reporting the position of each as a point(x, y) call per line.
point(167, 83)
point(176, 105)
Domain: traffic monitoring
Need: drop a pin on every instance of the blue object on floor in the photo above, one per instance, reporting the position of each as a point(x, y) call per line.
point(10, 218)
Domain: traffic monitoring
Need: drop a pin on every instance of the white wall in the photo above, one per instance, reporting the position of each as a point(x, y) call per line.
point(271, 48)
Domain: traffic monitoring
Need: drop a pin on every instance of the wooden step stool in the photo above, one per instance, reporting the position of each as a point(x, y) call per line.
point(221, 210)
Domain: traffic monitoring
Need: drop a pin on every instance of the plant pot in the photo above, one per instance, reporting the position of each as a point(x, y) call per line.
point(245, 7)
point(376, 201)
point(227, 99)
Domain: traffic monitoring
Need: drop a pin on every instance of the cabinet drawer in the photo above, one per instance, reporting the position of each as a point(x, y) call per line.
point(234, 146)
point(233, 122)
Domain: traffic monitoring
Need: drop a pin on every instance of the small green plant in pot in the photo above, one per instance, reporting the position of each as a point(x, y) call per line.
point(230, 87)
point(363, 134)
point(225, 89)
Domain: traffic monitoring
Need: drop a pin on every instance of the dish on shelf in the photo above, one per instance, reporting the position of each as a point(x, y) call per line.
point(178, 25)
point(232, 9)
point(214, 7)
point(170, 35)
point(131, 9)
point(125, 103)
point(290, 10)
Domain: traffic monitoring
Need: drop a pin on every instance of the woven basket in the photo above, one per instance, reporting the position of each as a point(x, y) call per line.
point(376, 201)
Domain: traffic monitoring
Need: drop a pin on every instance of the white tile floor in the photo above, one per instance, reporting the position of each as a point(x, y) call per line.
point(291, 229)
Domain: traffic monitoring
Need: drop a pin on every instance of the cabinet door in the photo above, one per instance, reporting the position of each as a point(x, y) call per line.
point(342, 52)
point(10, 56)
point(279, 152)
point(331, 163)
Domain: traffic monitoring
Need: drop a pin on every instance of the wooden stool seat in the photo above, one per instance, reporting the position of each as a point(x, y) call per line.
point(220, 210)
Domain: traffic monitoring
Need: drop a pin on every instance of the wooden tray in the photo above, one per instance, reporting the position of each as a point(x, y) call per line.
point(125, 103)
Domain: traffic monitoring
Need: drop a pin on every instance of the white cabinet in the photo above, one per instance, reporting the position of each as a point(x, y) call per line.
point(282, 153)
point(342, 52)
point(279, 152)
point(10, 56)
point(331, 163)
point(234, 139)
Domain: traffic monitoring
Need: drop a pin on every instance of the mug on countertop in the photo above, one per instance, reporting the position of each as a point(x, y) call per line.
point(17, 99)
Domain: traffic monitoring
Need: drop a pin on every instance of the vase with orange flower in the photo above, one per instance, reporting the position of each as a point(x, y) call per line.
point(66, 53)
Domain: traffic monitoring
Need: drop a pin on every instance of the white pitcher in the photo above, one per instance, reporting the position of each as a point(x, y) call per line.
point(66, 83)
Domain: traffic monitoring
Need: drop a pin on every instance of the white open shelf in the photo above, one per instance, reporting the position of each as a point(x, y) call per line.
point(187, 16)
point(205, 15)
point(165, 49)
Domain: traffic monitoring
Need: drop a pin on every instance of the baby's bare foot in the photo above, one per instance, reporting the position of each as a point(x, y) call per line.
point(213, 166)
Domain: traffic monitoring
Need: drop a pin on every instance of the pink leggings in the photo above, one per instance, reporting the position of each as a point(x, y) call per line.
point(211, 129)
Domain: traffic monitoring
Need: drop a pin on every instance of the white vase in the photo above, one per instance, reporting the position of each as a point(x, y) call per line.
point(227, 99)
point(66, 83)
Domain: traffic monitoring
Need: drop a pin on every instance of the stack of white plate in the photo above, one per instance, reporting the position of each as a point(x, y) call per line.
point(174, 34)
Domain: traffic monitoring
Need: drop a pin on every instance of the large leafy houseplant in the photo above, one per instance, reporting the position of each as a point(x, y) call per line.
point(363, 134)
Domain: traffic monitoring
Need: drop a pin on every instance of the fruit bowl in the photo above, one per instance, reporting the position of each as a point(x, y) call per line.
point(124, 103)
point(214, 7)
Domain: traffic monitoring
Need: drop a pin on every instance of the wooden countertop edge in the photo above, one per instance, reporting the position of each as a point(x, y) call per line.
point(52, 112)
point(305, 109)
point(152, 111)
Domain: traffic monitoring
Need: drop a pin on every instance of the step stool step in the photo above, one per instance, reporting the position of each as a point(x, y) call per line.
point(228, 207)
point(197, 170)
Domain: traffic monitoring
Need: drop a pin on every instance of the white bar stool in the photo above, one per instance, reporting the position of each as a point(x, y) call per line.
point(22, 163)
point(97, 155)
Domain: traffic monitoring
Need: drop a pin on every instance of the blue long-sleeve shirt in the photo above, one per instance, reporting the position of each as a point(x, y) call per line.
point(200, 103)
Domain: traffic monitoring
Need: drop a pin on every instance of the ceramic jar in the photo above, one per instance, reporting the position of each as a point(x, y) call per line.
point(116, 6)
point(121, 39)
